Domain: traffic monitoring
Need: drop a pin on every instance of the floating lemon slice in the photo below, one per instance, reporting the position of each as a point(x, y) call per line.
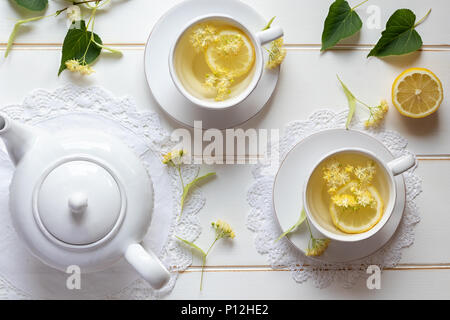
point(235, 60)
point(362, 220)
point(417, 93)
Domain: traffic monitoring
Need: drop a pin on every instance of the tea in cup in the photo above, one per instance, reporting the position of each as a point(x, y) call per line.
point(350, 194)
point(216, 62)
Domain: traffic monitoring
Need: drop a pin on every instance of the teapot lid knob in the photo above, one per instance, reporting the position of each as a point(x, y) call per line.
point(78, 202)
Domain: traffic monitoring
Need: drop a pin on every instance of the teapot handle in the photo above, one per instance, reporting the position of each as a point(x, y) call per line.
point(147, 265)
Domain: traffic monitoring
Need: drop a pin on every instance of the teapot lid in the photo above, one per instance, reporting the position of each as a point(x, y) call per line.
point(79, 201)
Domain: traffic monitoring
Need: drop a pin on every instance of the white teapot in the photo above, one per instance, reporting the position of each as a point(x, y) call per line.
point(80, 198)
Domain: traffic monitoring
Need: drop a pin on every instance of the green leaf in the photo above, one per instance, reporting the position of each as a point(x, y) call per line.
point(341, 22)
point(351, 103)
point(189, 186)
point(33, 5)
point(192, 245)
point(400, 36)
point(78, 45)
point(295, 226)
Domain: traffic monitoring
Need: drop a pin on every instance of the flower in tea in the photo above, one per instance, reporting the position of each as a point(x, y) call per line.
point(230, 44)
point(202, 36)
point(338, 177)
point(222, 83)
point(276, 53)
point(365, 174)
point(363, 197)
point(335, 176)
point(345, 201)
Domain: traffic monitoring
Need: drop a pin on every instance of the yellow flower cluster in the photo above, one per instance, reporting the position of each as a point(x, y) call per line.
point(75, 66)
point(335, 176)
point(364, 197)
point(345, 200)
point(202, 36)
point(377, 114)
point(276, 54)
point(223, 229)
point(173, 157)
point(222, 83)
point(230, 44)
point(365, 174)
point(317, 247)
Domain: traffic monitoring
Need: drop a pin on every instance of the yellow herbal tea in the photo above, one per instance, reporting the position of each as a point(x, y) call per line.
point(347, 193)
point(214, 60)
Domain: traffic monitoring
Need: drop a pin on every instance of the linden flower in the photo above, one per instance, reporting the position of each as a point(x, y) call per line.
point(377, 114)
point(230, 44)
point(365, 174)
point(317, 247)
point(223, 229)
point(222, 83)
point(75, 66)
point(276, 54)
point(345, 201)
point(73, 13)
point(173, 157)
point(202, 36)
point(364, 198)
point(335, 176)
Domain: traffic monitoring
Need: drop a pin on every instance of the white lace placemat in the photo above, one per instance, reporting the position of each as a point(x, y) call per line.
point(21, 275)
point(263, 223)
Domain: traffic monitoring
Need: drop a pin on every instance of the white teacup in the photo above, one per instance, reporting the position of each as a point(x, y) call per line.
point(258, 40)
point(391, 169)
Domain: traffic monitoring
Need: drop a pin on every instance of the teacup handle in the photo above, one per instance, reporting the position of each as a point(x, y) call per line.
point(148, 265)
point(400, 165)
point(269, 35)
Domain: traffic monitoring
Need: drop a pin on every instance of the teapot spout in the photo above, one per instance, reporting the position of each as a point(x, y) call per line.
point(17, 137)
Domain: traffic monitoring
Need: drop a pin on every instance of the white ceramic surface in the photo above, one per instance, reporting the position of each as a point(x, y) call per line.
point(288, 192)
point(80, 198)
point(391, 169)
point(159, 44)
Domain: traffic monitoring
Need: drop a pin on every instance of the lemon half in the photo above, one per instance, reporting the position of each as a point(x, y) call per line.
point(417, 93)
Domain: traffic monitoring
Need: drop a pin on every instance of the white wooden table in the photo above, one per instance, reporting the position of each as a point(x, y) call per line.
point(237, 270)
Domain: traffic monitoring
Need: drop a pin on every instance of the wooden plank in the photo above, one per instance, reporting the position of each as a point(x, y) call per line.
point(131, 21)
point(414, 284)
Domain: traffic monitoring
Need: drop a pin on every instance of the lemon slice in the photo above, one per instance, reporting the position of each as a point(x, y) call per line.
point(417, 93)
point(359, 221)
point(235, 63)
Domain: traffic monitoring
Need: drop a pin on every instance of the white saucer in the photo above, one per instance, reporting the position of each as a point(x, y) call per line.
point(288, 186)
point(157, 65)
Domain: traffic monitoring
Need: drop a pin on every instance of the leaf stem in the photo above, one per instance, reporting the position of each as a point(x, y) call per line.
point(421, 20)
point(359, 4)
point(204, 261)
point(269, 23)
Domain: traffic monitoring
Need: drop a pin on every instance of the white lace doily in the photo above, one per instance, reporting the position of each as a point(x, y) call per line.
point(22, 275)
point(283, 254)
